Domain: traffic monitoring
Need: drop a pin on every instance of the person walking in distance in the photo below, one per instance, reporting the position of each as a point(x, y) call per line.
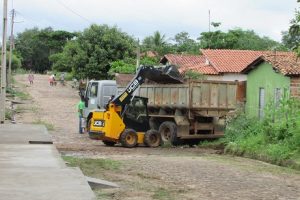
point(54, 79)
point(80, 107)
point(30, 78)
point(51, 80)
point(62, 79)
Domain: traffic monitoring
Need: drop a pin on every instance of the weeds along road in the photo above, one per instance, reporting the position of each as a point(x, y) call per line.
point(145, 173)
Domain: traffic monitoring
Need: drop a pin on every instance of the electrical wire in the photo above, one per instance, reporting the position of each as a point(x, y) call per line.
point(27, 18)
point(74, 12)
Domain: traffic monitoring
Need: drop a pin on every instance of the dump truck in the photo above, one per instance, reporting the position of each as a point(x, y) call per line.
point(191, 111)
point(125, 118)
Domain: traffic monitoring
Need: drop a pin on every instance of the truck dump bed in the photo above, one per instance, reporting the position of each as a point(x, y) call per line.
point(211, 98)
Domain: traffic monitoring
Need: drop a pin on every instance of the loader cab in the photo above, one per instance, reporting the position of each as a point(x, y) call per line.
point(97, 95)
point(135, 114)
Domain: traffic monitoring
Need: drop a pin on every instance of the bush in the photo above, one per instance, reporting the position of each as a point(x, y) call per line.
point(242, 126)
point(191, 74)
point(275, 138)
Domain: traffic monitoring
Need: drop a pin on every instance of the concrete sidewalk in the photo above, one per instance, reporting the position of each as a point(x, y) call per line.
point(36, 171)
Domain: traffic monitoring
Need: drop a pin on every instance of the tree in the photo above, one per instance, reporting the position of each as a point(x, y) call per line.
point(291, 38)
point(122, 66)
point(15, 61)
point(55, 40)
point(156, 42)
point(159, 39)
point(71, 56)
point(90, 55)
point(213, 40)
point(35, 46)
point(184, 44)
point(290, 41)
point(237, 39)
point(128, 65)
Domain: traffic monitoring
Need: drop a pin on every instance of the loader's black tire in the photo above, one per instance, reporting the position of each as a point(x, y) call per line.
point(129, 138)
point(109, 143)
point(152, 138)
point(168, 133)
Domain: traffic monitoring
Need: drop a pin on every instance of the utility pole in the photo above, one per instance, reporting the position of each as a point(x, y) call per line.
point(138, 55)
point(209, 21)
point(9, 76)
point(209, 41)
point(3, 65)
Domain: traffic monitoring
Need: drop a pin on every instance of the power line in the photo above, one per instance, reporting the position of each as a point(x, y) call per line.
point(27, 18)
point(74, 12)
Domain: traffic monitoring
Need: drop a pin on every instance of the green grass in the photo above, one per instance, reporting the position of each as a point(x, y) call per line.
point(214, 144)
point(21, 71)
point(166, 145)
point(34, 109)
point(103, 194)
point(50, 127)
point(19, 94)
point(19, 109)
point(95, 168)
point(22, 95)
point(92, 167)
point(8, 114)
point(162, 194)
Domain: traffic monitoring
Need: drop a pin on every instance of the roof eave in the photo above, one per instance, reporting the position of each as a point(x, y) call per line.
point(253, 65)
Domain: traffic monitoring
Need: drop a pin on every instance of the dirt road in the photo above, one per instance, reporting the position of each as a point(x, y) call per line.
point(161, 173)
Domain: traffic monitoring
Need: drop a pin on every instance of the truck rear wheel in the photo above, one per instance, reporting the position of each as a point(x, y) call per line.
point(152, 138)
point(168, 133)
point(129, 138)
point(109, 143)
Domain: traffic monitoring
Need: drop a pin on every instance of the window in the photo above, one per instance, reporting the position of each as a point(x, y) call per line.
point(277, 96)
point(136, 115)
point(108, 92)
point(261, 103)
point(136, 110)
point(94, 89)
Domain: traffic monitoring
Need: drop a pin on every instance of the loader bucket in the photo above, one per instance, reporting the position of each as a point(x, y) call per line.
point(165, 75)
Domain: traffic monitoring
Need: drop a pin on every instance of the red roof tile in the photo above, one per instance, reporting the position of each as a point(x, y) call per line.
point(233, 61)
point(216, 61)
point(286, 62)
point(180, 60)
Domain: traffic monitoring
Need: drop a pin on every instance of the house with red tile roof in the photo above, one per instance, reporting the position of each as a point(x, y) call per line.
point(216, 64)
point(269, 74)
point(268, 78)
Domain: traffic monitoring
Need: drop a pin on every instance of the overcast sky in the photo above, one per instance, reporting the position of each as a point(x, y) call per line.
point(141, 18)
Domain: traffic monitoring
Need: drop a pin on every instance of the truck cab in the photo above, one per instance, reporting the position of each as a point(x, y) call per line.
point(97, 95)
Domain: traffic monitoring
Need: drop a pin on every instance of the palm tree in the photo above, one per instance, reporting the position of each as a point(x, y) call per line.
point(158, 39)
point(156, 42)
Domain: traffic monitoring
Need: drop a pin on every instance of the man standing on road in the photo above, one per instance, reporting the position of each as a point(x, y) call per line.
point(80, 107)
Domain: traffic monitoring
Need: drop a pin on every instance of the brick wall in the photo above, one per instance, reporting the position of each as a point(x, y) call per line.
point(295, 87)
